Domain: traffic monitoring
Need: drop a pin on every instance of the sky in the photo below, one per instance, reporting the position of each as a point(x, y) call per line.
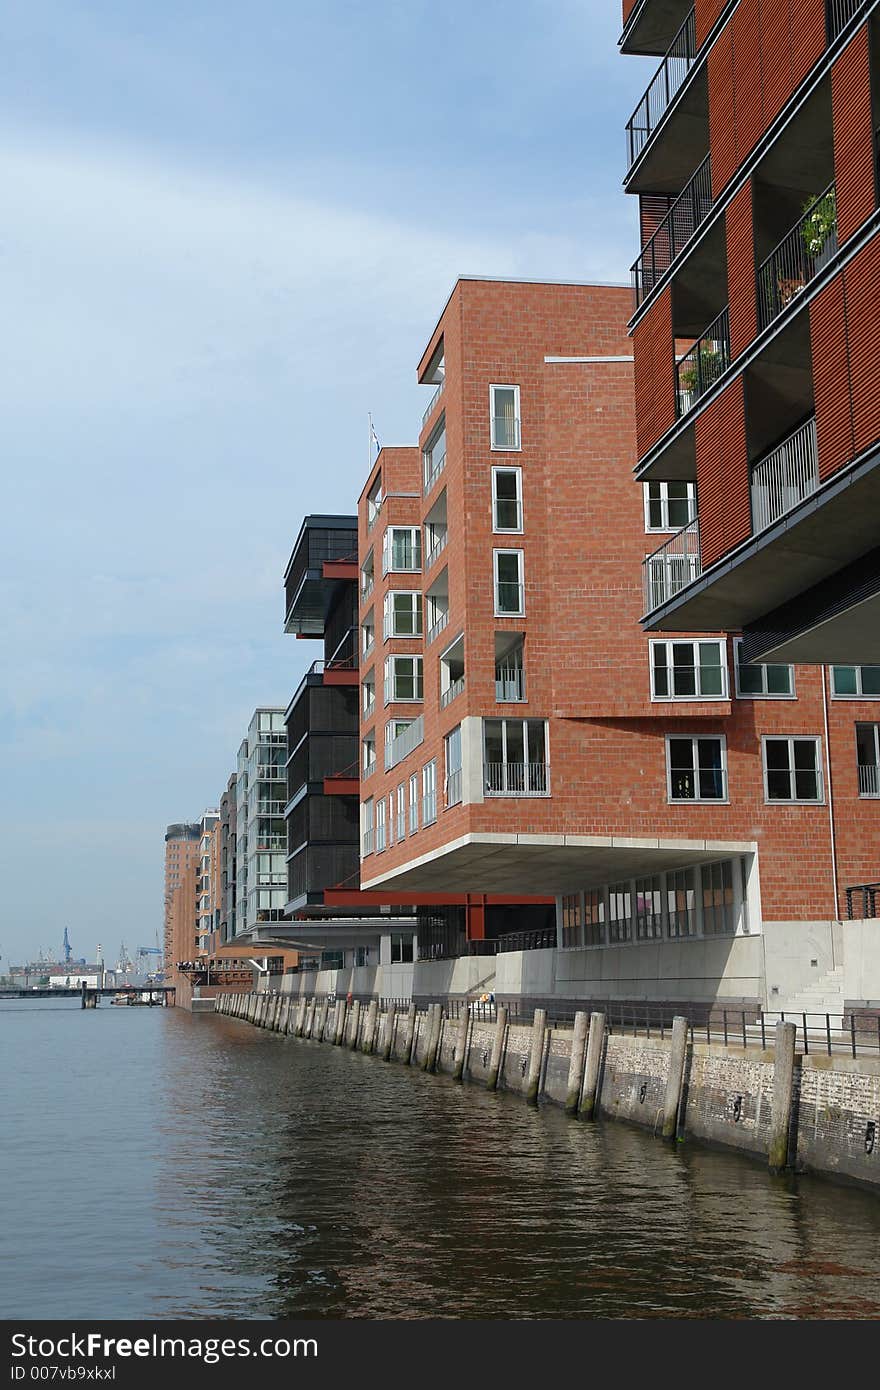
point(228, 230)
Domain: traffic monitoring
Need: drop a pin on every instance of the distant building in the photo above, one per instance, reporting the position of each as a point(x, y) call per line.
point(181, 851)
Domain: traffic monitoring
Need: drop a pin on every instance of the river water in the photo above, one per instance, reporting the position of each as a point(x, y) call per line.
point(160, 1165)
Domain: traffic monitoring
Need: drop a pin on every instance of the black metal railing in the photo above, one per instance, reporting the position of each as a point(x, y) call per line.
point(838, 14)
point(798, 258)
point(687, 213)
point(703, 364)
point(664, 85)
point(862, 901)
point(319, 544)
point(544, 939)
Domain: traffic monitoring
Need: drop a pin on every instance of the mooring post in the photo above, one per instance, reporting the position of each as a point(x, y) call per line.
point(675, 1077)
point(576, 1066)
point(536, 1055)
point(82, 985)
point(783, 1088)
point(591, 1069)
point(388, 1042)
point(339, 1022)
point(369, 1037)
point(322, 1017)
point(497, 1048)
point(355, 1024)
point(435, 1019)
point(310, 1021)
point(410, 1036)
point(300, 1017)
point(461, 1041)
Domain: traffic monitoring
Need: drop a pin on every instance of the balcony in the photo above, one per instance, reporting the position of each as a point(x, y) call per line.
point(438, 625)
point(787, 475)
point(517, 779)
point(510, 683)
point(437, 548)
point(703, 364)
point(433, 401)
point(838, 14)
point(399, 748)
point(869, 779)
point(269, 808)
point(664, 85)
point(673, 566)
point(543, 939)
point(800, 256)
point(688, 212)
point(453, 689)
point(324, 555)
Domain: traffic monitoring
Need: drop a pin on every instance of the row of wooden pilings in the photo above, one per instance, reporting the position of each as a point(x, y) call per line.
point(376, 1030)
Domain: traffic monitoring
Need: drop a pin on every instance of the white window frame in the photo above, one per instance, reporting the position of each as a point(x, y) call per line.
point(368, 684)
point(450, 774)
point(413, 803)
point(367, 839)
point(429, 793)
point(524, 721)
point(389, 614)
point(415, 535)
point(368, 632)
point(430, 474)
point(368, 575)
point(872, 783)
point(390, 682)
point(505, 448)
point(764, 694)
point(368, 766)
point(698, 697)
point(664, 507)
point(791, 740)
point(507, 530)
point(859, 694)
point(401, 812)
point(381, 843)
point(697, 800)
point(521, 581)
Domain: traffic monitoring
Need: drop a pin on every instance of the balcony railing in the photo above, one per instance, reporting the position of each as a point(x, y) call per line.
point(869, 779)
point(433, 401)
point(787, 475)
point(688, 212)
point(400, 747)
point(517, 779)
point(429, 808)
point(838, 14)
point(453, 788)
point(664, 85)
point(505, 432)
point(543, 939)
point(703, 364)
point(509, 598)
point(433, 467)
point(862, 901)
point(436, 549)
point(437, 626)
point(510, 683)
point(449, 694)
point(798, 258)
point(269, 808)
point(367, 842)
point(673, 566)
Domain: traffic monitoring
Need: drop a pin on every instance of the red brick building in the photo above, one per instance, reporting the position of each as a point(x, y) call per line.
point(753, 153)
point(521, 733)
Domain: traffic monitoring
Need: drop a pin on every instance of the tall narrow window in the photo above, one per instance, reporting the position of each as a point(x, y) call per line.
point(696, 768)
point(619, 912)
point(367, 827)
point(507, 513)
point(649, 908)
point(572, 925)
point(509, 586)
point(402, 613)
point(429, 793)
point(504, 417)
point(792, 769)
point(681, 903)
point(868, 758)
point(453, 767)
point(413, 803)
point(401, 811)
point(434, 454)
point(380, 825)
point(719, 908)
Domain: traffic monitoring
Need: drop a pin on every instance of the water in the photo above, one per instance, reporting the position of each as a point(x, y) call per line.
point(159, 1165)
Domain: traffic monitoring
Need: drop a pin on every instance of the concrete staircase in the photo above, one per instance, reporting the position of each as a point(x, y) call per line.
point(823, 996)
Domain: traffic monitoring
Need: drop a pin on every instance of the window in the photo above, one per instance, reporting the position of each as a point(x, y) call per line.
point(434, 454)
point(402, 550)
point(509, 587)
point(594, 917)
point(401, 949)
point(792, 769)
point(367, 827)
point(507, 513)
point(510, 676)
point(368, 694)
point(770, 682)
point(571, 920)
point(697, 768)
point(401, 811)
point(669, 506)
point(504, 417)
point(403, 678)
point(688, 670)
point(649, 908)
point(515, 761)
point(681, 903)
point(369, 754)
point(855, 682)
point(367, 576)
point(390, 818)
point(429, 793)
point(374, 502)
point(451, 667)
point(719, 915)
point(453, 767)
point(868, 758)
point(413, 803)
point(380, 825)
point(619, 912)
point(402, 615)
point(368, 633)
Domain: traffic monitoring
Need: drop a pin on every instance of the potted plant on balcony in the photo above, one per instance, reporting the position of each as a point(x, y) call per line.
point(697, 377)
point(819, 228)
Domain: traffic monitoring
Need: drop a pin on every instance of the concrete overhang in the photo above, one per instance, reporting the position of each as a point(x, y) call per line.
point(652, 25)
point(327, 935)
point(546, 864)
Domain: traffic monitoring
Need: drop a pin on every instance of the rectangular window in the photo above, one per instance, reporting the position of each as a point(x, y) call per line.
point(452, 744)
point(792, 769)
point(403, 679)
point(369, 754)
point(619, 912)
point(509, 586)
point(368, 633)
point(402, 550)
point(515, 757)
point(429, 793)
point(413, 803)
point(368, 694)
point(374, 502)
point(594, 917)
point(855, 682)
point(681, 903)
point(504, 417)
point(367, 576)
point(390, 818)
point(649, 908)
point(669, 506)
point(868, 758)
point(571, 920)
point(507, 512)
point(401, 811)
point(753, 680)
point(380, 825)
point(719, 909)
point(367, 827)
point(696, 768)
point(683, 670)
point(434, 454)
point(401, 949)
point(402, 613)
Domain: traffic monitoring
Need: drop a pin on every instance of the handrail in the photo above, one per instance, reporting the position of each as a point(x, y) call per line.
point(785, 476)
point(798, 258)
point(672, 566)
point(703, 364)
point(687, 213)
point(664, 85)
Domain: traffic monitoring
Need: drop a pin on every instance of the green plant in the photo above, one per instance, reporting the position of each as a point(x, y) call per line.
point(711, 365)
point(820, 222)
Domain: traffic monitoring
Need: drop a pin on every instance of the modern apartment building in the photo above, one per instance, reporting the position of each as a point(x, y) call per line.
point(521, 733)
point(228, 861)
point(259, 822)
point(208, 877)
point(181, 851)
point(753, 154)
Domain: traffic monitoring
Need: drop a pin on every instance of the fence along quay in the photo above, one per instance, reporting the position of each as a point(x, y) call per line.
point(800, 1091)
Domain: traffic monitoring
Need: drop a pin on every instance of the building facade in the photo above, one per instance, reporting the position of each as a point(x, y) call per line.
point(259, 821)
point(181, 852)
point(753, 153)
point(208, 880)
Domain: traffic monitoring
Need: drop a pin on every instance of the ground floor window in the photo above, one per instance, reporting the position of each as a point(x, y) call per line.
point(699, 901)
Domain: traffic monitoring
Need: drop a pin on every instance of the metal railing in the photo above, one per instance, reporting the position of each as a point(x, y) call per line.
point(544, 939)
point(666, 82)
point(673, 566)
point(703, 364)
point(509, 598)
point(454, 688)
point(787, 475)
point(437, 627)
point(433, 401)
point(436, 549)
point(869, 779)
point(838, 14)
point(510, 682)
point(400, 747)
point(862, 901)
point(429, 808)
point(517, 779)
point(453, 788)
point(505, 432)
point(687, 213)
point(367, 587)
point(798, 258)
point(433, 472)
point(270, 808)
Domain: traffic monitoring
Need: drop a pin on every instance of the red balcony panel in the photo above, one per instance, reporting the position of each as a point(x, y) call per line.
point(853, 136)
point(340, 569)
point(723, 474)
point(861, 278)
point(745, 32)
point(741, 271)
point(654, 374)
point(628, 7)
point(706, 13)
point(722, 121)
point(831, 387)
point(776, 77)
point(808, 39)
point(653, 207)
point(342, 786)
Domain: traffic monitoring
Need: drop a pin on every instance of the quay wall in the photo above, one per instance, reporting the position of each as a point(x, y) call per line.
point(724, 1095)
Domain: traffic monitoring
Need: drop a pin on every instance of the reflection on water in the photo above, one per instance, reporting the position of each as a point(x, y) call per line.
point(160, 1165)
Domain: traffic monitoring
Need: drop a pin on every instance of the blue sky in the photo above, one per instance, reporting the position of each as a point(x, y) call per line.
point(228, 230)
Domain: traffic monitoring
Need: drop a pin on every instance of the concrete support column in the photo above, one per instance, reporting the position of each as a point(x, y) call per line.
point(339, 1022)
point(310, 1021)
point(783, 1090)
point(322, 1018)
point(300, 1017)
point(576, 1066)
point(461, 1044)
point(497, 1048)
point(675, 1077)
point(536, 1056)
point(388, 1040)
point(355, 1024)
point(591, 1069)
point(410, 1035)
point(369, 1038)
point(436, 1024)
